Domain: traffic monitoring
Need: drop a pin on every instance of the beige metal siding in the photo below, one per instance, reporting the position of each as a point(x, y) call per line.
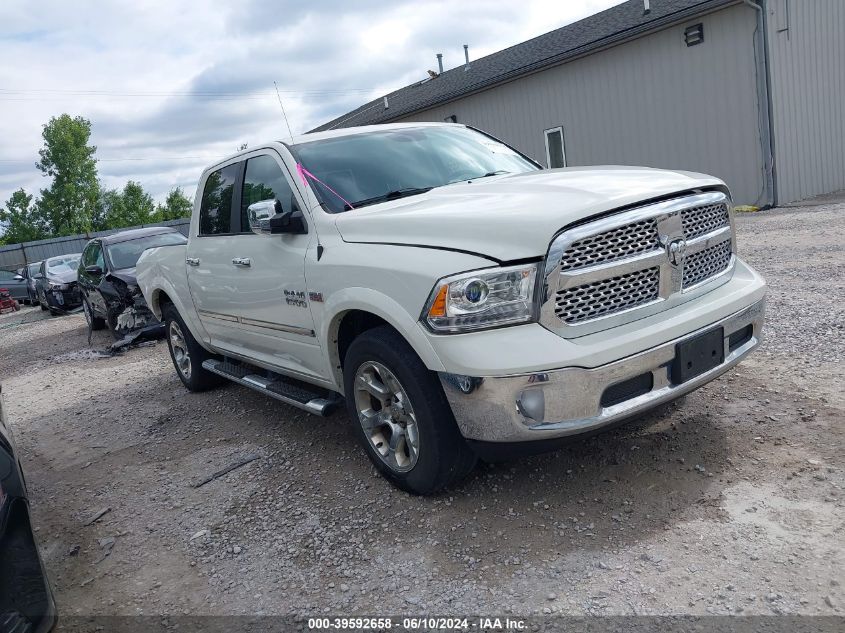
point(652, 101)
point(807, 67)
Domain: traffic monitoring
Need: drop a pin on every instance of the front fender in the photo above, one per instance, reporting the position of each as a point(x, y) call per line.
point(384, 307)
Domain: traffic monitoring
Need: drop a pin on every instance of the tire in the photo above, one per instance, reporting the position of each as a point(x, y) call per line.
point(42, 305)
point(433, 455)
point(111, 323)
point(96, 323)
point(184, 347)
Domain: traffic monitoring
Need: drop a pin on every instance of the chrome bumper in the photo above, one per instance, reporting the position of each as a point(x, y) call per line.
point(562, 402)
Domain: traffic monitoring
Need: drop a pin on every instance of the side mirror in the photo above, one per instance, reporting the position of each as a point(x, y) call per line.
point(18, 277)
point(94, 270)
point(268, 218)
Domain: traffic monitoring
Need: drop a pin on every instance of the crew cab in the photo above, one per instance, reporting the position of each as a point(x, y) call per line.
point(458, 298)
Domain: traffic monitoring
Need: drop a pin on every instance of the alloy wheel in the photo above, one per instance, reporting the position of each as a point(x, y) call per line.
point(179, 350)
point(386, 416)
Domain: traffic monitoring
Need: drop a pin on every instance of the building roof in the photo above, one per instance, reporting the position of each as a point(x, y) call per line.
point(611, 26)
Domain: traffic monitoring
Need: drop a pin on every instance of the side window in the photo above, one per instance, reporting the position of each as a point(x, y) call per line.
point(93, 256)
point(88, 255)
point(216, 207)
point(6, 275)
point(555, 154)
point(264, 181)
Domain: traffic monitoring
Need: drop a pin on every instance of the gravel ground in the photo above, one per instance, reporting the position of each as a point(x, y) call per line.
point(730, 501)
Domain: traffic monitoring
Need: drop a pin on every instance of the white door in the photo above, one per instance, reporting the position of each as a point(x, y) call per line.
point(249, 289)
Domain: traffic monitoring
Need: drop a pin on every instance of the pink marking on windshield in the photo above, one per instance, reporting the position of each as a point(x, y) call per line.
point(304, 174)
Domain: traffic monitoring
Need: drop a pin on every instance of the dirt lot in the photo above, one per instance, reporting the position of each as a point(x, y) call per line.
point(728, 502)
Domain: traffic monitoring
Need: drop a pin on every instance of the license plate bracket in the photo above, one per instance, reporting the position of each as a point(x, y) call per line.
point(698, 355)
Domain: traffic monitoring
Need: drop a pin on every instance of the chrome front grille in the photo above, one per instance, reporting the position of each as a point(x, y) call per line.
point(636, 262)
point(700, 220)
point(596, 299)
point(631, 239)
point(711, 261)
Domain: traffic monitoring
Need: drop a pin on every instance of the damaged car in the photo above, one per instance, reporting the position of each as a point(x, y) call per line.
point(56, 286)
point(110, 294)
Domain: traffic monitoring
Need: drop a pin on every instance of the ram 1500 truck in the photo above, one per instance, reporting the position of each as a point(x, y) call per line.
point(459, 298)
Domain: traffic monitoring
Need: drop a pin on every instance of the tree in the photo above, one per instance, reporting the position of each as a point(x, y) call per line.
point(68, 159)
point(177, 205)
point(108, 212)
point(23, 221)
point(138, 206)
point(119, 209)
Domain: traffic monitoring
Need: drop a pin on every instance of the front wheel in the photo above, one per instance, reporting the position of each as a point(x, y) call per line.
point(187, 355)
point(400, 414)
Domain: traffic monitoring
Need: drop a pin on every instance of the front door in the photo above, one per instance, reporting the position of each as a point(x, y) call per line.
point(249, 289)
point(89, 281)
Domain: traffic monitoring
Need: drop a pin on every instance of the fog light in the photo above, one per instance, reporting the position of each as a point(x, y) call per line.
point(531, 403)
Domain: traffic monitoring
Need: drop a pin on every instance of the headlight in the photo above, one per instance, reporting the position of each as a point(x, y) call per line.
point(482, 299)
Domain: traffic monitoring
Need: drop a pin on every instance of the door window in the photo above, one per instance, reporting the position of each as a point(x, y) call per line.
point(264, 181)
point(93, 256)
point(216, 206)
point(555, 154)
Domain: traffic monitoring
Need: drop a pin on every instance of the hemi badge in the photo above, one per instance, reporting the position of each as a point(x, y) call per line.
point(316, 296)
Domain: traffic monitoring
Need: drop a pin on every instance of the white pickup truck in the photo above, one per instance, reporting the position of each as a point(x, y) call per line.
point(462, 300)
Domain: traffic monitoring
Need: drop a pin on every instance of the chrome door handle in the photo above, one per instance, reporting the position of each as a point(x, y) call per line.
point(241, 261)
point(192, 261)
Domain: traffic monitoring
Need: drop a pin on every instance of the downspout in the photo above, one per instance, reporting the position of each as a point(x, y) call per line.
point(764, 102)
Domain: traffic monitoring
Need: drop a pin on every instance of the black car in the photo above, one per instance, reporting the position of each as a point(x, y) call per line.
point(110, 294)
point(26, 601)
point(56, 286)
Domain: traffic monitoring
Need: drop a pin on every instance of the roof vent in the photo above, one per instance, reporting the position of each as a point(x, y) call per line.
point(646, 7)
point(440, 62)
point(466, 56)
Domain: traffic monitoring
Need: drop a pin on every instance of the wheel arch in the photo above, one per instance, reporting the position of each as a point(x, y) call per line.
point(367, 309)
point(159, 297)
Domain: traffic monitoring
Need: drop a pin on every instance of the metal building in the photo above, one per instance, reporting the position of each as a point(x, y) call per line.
point(751, 91)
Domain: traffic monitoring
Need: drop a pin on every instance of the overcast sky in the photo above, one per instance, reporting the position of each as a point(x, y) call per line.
point(169, 88)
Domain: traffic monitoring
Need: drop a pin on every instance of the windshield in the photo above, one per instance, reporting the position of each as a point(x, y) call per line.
point(60, 265)
point(126, 254)
point(33, 269)
point(372, 167)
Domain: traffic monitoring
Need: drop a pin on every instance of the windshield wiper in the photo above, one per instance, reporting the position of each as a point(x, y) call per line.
point(390, 195)
point(495, 173)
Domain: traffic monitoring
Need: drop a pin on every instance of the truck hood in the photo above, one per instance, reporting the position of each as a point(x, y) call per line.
point(514, 216)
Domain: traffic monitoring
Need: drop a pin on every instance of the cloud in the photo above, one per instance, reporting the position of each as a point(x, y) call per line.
point(181, 87)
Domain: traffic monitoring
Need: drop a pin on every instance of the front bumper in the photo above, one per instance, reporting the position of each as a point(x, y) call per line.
point(564, 402)
point(64, 299)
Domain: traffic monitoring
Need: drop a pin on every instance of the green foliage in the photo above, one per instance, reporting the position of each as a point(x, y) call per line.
point(68, 159)
point(22, 220)
point(138, 206)
point(75, 201)
point(177, 205)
